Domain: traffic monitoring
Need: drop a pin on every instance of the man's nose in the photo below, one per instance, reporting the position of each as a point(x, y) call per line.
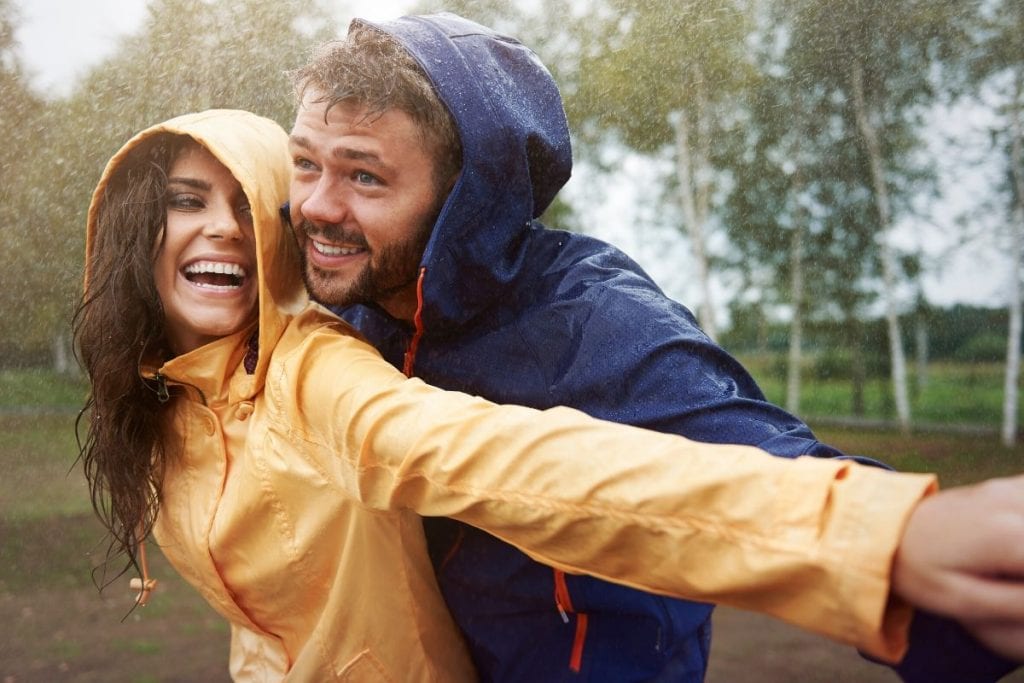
point(325, 204)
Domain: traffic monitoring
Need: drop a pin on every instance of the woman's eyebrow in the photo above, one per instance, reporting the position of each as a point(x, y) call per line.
point(190, 182)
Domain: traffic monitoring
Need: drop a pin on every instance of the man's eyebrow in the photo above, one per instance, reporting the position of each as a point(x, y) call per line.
point(358, 155)
point(190, 182)
point(346, 153)
point(299, 141)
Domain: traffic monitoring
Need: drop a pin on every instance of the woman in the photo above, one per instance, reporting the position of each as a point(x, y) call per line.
point(290, 498)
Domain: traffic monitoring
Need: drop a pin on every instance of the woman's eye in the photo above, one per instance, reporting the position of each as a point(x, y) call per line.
point(184, 202)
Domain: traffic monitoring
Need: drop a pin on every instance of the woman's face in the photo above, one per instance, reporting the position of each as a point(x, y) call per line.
point(205, 270)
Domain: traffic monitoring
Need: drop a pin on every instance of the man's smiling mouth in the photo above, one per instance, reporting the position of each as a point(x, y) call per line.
point(331, 250)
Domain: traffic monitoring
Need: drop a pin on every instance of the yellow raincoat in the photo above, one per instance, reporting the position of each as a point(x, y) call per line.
point(295, 506)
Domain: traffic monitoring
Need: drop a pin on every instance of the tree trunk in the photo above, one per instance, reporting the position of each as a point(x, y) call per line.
point(1013, 351)
point(692, 174)
point(921, 350)
point(61, 355)
point(1010, 384)
point(796, 295)
point(858, 368)
point(898, 363)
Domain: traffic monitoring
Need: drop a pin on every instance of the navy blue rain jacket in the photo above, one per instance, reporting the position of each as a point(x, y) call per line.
point(521, 314)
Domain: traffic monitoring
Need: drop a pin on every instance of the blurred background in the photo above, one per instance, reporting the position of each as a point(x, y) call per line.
point(835, 188)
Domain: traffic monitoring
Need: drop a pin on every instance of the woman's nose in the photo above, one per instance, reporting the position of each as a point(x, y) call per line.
point(223, 224)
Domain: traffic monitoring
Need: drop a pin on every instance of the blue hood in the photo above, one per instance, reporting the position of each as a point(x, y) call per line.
point(516, 157)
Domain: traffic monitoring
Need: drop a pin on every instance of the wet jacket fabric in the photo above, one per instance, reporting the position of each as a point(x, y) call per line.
point(516, 312)
point(293, 505)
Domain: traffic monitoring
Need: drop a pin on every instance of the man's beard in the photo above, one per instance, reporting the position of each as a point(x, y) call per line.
point(388, 271)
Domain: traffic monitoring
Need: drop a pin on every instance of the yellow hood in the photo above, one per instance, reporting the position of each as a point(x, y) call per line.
point(255, 150)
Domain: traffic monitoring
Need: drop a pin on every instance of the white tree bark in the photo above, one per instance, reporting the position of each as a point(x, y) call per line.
point(694, 196)
point(796, 295)
point(921, 347)
point(1011, 397)
point(897, 357)
point(61, 354)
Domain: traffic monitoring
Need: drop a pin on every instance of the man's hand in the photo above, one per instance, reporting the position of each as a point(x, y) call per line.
point(962, 555)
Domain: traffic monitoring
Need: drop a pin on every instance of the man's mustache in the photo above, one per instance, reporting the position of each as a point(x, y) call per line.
point(332, 232)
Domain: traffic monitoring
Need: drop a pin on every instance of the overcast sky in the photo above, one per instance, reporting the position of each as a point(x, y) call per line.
point(60, 39)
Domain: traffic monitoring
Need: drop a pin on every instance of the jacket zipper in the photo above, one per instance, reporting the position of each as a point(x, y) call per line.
point(562, 599)
point(410, 352)
point(564, 604)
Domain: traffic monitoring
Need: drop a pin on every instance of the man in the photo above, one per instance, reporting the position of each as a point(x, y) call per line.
point(414, 200)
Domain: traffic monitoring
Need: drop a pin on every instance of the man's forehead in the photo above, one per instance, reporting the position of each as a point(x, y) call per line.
point(315, 111)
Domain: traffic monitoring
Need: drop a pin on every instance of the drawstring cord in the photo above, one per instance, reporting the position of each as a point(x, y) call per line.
point(414, 343)
point(564, 604)
point(144, 585)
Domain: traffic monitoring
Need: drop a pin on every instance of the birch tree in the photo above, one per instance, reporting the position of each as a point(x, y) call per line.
point(664, 76)
point(996, 79)
point(877, 58)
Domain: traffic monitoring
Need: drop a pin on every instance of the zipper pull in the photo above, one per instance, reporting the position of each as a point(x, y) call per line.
point(562, 599)
point(162, 394)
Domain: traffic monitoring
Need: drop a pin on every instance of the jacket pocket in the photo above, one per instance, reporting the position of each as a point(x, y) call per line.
point(363, 667)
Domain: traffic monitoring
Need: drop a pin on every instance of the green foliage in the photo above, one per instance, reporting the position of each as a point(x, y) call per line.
point(20, 116)
point(644, 62)
point(982, 348)
point(836, 364)
point(226, 54)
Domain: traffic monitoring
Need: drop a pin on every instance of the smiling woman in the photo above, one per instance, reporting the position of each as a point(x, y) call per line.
point(207, 253)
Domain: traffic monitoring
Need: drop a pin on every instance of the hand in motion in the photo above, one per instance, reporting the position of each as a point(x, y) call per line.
point(962, 555)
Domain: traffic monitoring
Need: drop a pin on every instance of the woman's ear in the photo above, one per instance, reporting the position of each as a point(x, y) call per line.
point(158, 243)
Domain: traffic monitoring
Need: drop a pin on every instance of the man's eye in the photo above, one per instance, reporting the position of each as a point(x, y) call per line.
point(364, 178)
point(304, 164)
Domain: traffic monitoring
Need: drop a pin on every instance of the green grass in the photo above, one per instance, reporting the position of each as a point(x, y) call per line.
point(37, 458)
point(957, 459)
point(954, 394)
point(40, 388)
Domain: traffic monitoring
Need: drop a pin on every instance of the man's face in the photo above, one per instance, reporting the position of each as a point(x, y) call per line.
point(363, 203)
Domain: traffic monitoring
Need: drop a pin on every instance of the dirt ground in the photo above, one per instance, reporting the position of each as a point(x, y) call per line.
point(56, 628)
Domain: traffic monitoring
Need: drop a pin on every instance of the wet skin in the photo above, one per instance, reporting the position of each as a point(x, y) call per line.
point(205, 268)
point(363, 202)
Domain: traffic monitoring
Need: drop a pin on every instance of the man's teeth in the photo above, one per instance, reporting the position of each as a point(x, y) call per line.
point(216, 268)
point(330, 250)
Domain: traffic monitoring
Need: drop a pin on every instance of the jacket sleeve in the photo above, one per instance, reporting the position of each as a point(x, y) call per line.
point(808, 541)
point(672, 378)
